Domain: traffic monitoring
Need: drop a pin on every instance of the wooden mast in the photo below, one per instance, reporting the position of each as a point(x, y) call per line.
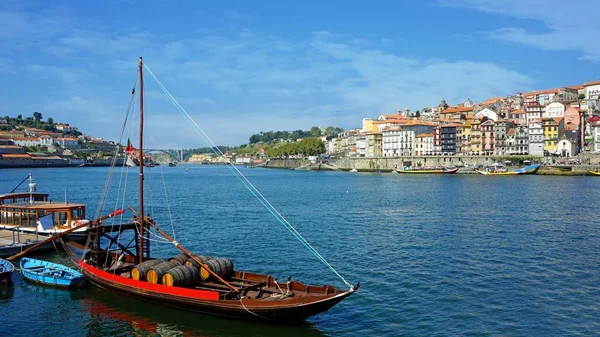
point(141, 160)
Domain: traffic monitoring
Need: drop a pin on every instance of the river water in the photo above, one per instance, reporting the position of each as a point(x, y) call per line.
point(435, 255)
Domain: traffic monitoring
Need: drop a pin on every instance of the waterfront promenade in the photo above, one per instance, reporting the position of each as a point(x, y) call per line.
point(561, 166)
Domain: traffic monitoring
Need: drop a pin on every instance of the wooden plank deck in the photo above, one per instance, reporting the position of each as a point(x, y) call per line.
point(12, 242)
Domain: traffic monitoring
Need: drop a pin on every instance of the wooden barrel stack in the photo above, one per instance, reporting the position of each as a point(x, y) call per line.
point(181, 258)
point(181, 276)
point(220, 266)
point(202, 258)
point(138, 272)
point(155, 274)
point(179, 271)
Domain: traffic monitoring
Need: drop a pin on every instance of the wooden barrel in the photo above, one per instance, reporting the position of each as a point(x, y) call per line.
point(181, 276)
point(220, 266)
point(155, 273)
point(195, 264)
point(181, 258)
point(138, 272)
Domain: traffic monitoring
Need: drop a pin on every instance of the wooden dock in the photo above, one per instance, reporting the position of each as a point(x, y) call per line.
point(12, 242)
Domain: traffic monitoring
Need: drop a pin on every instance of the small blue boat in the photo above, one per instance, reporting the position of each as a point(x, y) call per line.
point(48, 273)
point(6, 270)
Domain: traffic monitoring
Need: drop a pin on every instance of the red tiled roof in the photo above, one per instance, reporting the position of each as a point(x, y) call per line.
point(392, 116)
point(591, 83)
point(549, 91)
point(25, 155)
point(492, 100)
point(454, 109)
point(423, 135)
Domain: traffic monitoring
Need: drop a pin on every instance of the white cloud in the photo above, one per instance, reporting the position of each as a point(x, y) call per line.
point(69, 75)
point(243, 83)
point(569, 26)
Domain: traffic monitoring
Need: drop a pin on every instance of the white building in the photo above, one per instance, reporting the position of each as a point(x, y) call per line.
point(397, 142)
point(554, 110)
point(536, 138)
point(489, 113)
point(66, 142)
point(361, 145)
point(534, 111)
point(596, 135)
point(46, 140)
point(26, 141)
point(592, 90)
point(389, 142)
point(567, 148)
point(424, 144)
point(63, 127)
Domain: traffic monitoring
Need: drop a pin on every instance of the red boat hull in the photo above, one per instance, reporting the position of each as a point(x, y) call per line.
point(208, 302)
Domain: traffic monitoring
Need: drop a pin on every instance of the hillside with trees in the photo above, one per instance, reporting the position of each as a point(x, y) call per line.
point(305, 147)
point(276, 136)
point(35, 121)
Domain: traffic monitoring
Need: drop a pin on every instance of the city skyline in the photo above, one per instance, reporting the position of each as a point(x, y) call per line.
point(240, 69)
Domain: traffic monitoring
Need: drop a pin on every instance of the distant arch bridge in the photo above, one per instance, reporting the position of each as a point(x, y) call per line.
point(177, 155)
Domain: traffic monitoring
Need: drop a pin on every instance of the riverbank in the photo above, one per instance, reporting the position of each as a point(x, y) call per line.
point(54, 162)
point(387, 165)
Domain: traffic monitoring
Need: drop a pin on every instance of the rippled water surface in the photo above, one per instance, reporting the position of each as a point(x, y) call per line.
point(435, 255)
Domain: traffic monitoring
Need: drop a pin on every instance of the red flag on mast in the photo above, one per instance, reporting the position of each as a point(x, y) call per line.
point(129, 149)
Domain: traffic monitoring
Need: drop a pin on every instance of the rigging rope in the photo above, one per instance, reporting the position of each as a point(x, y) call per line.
point(105, 190)
point(167, 202)
point(262, 199)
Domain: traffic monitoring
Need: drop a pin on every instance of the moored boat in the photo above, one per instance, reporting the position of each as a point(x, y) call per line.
point(428, 170)
point(118, 258)
point(595, 173)
point(6, 270)
point(34, 213)
point(49, 273)
point(531, 169)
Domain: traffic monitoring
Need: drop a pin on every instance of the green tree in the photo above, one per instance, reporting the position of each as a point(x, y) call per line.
point(315, 131)
point(581, 97)
point(37, 116)
point(417, 114)
point(51, 121)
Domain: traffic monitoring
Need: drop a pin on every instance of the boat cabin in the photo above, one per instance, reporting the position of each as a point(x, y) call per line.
point(25, 209)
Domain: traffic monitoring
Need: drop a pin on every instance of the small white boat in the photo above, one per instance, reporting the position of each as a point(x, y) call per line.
point(354, 170)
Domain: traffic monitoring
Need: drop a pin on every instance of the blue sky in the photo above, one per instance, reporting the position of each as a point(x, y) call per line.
point(240, 67)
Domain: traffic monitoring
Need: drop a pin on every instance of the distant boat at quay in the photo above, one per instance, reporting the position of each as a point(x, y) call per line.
point(531, 169)
point(427, 170)
point(34, 213)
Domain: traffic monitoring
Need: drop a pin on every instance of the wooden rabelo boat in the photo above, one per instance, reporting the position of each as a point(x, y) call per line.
point(114, 260)
point(34, 213)
point(428, 170)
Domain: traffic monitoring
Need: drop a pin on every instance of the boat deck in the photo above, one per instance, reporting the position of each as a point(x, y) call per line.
point(12, 242)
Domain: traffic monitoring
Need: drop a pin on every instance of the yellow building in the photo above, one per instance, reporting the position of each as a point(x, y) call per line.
point(369, 125)
point(465, 139)
point(553, 129)
point(197, 158)
point(476, 136)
